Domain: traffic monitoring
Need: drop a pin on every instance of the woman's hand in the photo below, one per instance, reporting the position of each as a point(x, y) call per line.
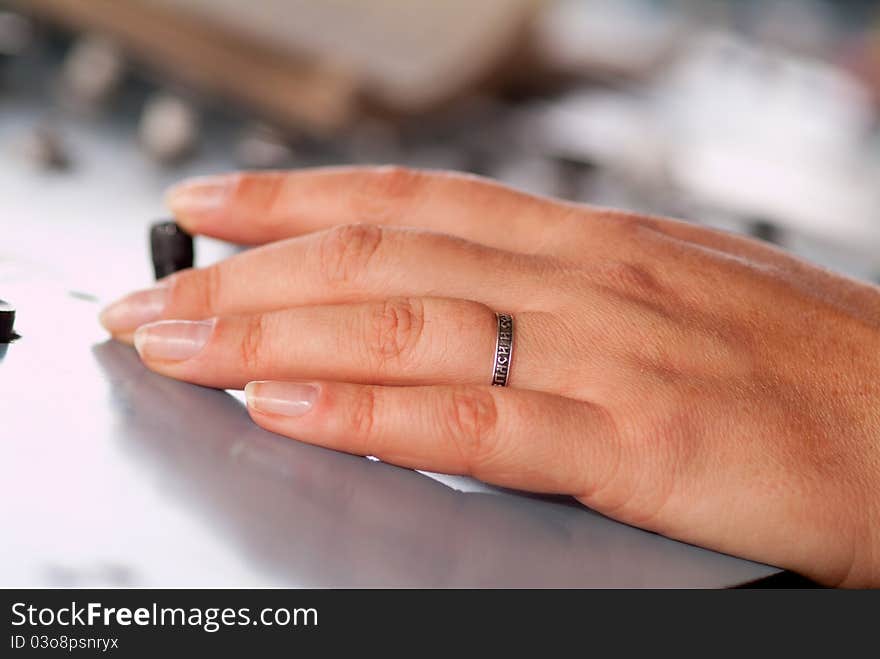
point(698, 384)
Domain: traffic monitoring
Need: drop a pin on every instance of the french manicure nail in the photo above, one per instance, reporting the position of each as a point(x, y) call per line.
point(173, 340)
point(202, 195)
point(134, 310)
point(283, 398)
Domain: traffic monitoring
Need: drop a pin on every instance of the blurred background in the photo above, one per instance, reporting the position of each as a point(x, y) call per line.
point(754, 116)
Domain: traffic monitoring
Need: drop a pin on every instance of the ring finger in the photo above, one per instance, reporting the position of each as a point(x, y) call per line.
point(402, 341)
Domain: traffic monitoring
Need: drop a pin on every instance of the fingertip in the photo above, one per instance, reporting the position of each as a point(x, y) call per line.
point(124, 337)
point(250, 393)
point(129, 312)
point(105, 318)
point(175, 191)
point(138, 339)
point(193, 199)
point(189, 223)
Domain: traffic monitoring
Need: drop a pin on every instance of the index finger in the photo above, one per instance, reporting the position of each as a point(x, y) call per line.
point(259, 207)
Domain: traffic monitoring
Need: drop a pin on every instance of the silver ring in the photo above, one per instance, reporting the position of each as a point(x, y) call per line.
point(503, 350)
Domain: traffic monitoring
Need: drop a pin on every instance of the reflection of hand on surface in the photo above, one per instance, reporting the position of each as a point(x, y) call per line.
point(310, 516)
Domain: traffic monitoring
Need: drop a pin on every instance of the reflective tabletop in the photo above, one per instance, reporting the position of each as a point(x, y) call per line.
point(113, 475)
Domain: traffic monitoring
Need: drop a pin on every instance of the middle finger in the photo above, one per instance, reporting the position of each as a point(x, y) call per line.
point(345, 264)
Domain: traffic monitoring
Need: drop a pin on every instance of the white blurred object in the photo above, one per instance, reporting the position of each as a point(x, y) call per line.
point(169, 128)
point(610, 129)
point(627, 37)
point(734, 127)
point(91, 72)
point(532, 174)
point(771, 136)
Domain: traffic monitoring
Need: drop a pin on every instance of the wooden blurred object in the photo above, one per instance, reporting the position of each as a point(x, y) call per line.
point(180, 47)
point(311, 62)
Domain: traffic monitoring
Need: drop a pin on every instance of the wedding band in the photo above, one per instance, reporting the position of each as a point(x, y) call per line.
point(503, 350)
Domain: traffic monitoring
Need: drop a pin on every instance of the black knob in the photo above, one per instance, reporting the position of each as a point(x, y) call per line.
point(171, 248)
point(765, 230)
point(7, 322)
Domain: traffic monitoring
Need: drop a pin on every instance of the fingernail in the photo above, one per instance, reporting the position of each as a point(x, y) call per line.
point(201, 195)
point(173, 340)
point(134, 310)
point(284, 398)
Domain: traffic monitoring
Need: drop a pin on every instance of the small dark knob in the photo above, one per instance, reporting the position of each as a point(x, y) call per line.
point(765, 230)
point(171, 248)
point(7, 322)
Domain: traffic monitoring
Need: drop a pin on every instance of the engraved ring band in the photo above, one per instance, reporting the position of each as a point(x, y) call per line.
point(503, 350)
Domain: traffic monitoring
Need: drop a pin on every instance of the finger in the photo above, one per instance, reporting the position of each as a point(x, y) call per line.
point(261, 207)
point(513, 438)
point(344, 264)
point(402, 341)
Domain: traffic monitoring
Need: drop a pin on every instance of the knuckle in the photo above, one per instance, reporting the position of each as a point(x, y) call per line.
point(241, 185)
point(677, 355)
point(632, 226)
point(252, 347)
point(594, 486)
point(386, 193)
point(346, 251)
point(197, 291)
point(632, 278)
point(264, 193)
point(212, 289)
point(395, 182)
point(363, 416)
point(668, 443)
point(472, 418)
point(395, 327)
